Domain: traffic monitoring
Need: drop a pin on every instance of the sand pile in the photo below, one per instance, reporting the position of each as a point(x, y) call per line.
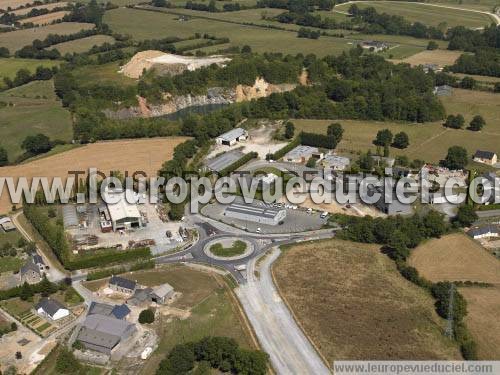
point(166, 63)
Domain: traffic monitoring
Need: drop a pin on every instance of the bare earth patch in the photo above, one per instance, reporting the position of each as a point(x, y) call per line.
point(453, 258)
point(51, 6)
point(126, 155)
point(354, 304)
point(483, 309)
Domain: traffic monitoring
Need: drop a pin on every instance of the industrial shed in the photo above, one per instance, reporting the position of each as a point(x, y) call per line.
point(70, 217)
point(123, 214)
point(258, 214)
point(221, 162)
point(232, 136)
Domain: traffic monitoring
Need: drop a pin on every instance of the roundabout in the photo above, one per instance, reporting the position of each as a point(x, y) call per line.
point(228, 249)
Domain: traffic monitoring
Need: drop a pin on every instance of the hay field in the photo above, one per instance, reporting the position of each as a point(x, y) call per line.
point(45, 19)
point(13, 4)
point(50, 6)
point(354, 304)
point(426, 14)
point(483, 307)
point(438, 56)
point(455, 257)
point(141, 155)
point(15, 40)
point(82, 45)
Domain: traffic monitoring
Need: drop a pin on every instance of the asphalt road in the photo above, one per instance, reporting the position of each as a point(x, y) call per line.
point(289, 350)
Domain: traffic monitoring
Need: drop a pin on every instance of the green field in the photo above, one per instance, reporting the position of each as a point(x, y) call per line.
point(15, 40)
point(426, 14)
point(486, 5)
point(105, 73)
point(156, 25)
point(28, 116)
point(11, 237)
point(429, 141)
point(83, 45)
point(9, 263)
point(9, 67)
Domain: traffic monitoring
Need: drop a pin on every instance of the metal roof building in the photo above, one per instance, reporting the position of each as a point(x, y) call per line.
point(123, 214)
point(259, 214)
point(232, 136)
point(301, 154)
point(70, 218)
point(219, 163)
point(103, 333)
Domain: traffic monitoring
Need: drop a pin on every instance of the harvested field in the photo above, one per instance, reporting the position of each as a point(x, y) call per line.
point(45, 19)
point(142, 155)
point(439, 57)
point(483, 307)
point(455, 257)
point(23, 11)
point(15, 40)
point(354, 304)
point(82, 45)
point(13, 4)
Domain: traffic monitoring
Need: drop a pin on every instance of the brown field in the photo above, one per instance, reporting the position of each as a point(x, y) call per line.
point(440, 57)
point(483, 309)
point(13, 4)
point(51, 6)
point(141, 155)
point(15, 40)
point(354, 304)
point(46, 18)
point(455, 257)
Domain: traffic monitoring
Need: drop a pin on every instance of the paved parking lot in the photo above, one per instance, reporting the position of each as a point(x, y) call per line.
point(295, 221)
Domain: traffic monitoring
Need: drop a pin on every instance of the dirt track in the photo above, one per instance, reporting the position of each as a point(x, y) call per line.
point(129, 155)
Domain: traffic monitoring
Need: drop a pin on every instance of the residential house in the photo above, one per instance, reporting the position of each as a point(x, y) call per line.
point(485, 157)
point(484, 231)
point(122, 285)
point(30, 272)
point(51, 308)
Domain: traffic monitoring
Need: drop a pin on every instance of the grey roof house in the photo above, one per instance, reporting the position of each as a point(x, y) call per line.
point(30, 272)
point(120, 284)
point(51, 308)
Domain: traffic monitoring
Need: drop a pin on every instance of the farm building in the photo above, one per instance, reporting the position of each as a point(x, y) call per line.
point(141, 296)
point(258, 214)
point(484, 231)
point(485, 157)
point(232, 137)
point(337, 163)
point(30, 272)
point(122, 285)
point(221, 162)
point(162, 293)
point(6, 224)
point(122, 214)
point(70, 217)
point(301, 154)
point(443, 90)
point(103, 333)
point(51, 308)
point(374, 45)
point(431, 68)
point(116, 311)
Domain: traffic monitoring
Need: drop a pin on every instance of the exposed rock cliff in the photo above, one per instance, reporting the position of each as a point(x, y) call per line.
point(215, 95)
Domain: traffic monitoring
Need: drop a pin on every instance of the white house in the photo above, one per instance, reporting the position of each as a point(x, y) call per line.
point(51, 308)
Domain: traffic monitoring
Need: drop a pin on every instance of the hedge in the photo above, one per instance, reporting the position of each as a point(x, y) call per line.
point(283, 151)
point(318, 140)
point(101, 274)
point(108, 257)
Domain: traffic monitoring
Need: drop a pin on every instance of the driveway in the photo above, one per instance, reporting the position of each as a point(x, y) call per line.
point(289, 349)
